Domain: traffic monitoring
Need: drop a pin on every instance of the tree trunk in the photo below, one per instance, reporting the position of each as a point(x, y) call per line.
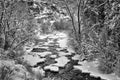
point(73, 24)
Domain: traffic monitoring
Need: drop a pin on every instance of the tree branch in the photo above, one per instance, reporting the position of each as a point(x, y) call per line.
point(89, 29)
point(28, 37)
point(20, 43)
point(79, 23)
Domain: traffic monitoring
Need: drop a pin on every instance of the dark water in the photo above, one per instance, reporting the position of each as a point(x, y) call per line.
point(73, 75)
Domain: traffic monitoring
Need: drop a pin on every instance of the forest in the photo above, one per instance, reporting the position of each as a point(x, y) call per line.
point(59, 40)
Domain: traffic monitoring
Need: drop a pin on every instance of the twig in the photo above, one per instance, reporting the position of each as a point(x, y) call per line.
point(102, 4)
point(89, 29)
point(22, 41)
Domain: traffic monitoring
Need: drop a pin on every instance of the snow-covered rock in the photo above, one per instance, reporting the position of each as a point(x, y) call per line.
point(53, 56)
point(43, 54)
point(33, 60)
point(52, 68)
point(61, 61)
point(70, 50)
point(62, 43)
point(76, 57)
point(63, 53)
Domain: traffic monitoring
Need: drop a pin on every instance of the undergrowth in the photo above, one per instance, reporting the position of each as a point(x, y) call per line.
point(61, 25)
point(109, 62)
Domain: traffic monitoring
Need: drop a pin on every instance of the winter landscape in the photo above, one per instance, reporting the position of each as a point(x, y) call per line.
point(59, 40)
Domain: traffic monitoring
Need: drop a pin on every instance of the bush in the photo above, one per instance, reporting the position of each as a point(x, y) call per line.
point(61, 25)
point(108, 61)
point(117, 66)
point(72, 41)
point(105, 67)
point(117, 69)
point(73, 44)
point(5, 72)
point(14, 54)
point(44, 29)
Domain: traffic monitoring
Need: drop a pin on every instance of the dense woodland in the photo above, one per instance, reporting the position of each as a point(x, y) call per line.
point(93, 27)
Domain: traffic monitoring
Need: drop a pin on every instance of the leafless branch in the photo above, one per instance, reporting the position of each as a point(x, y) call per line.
point(28, 37)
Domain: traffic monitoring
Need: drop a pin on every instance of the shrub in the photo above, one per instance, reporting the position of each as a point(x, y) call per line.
point(61, 25)
point(105, 67)
point(44, 29)
point(117, 66)
point(73, 44)
point(108, 61)
point(14, 54)
point(72, 41)
point(5, 72)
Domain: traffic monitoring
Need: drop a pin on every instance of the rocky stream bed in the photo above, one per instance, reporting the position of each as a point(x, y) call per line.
point(56, 59)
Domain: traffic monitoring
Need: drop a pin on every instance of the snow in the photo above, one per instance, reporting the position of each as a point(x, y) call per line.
point(76, 57)
point(38, 71)
point(63, 53)
point(39, 46)
point(33, 60)
point(62, 38)
point(28, 49)
point(42, 36)
point(46, 43)
point(51, 67)
point(53, 56)
point(62, 43)
point(70, 50)
point(43, 54)
point(61, 61)
point(91, 67)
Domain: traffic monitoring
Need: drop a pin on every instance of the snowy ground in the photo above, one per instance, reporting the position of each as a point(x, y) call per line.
point(53, 52)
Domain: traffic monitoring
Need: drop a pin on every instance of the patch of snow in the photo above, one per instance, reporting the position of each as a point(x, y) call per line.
point(61, 61)
point(33, 60)
point(70, 50)
point(59, 49)
point(56, 35)
point(39, 46)
point(91, 67)
point(38, 71)
point(50, 41)
point(46, 43)
point(63, 53)
point(51, 67)
point(43, 54)
point(62, 43)
point(28, 49)
point(42, 36)
point(76, 57)
point(53, 56)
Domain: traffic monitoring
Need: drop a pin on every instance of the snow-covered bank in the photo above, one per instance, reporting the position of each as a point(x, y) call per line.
point(91, 67)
